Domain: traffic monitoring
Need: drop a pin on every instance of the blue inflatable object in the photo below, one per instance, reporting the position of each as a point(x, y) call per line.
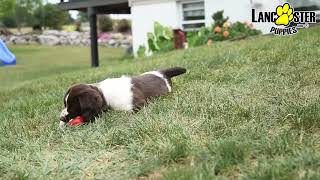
point(6, 57)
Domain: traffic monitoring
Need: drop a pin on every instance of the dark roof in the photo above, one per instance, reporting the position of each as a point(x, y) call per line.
point(102, 6)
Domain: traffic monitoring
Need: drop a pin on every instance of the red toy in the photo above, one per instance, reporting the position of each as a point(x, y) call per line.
point(79, 120)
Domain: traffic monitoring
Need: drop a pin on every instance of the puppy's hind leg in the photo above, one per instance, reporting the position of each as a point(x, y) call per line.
point(138, 99)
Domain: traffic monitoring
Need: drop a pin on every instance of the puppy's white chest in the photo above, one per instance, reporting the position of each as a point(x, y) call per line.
point(118, 93)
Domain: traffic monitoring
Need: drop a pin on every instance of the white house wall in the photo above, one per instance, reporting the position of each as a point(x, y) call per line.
point(265, 5)
point(145, 13)
point(236, 10)
point(168, 13)
point(240, 10)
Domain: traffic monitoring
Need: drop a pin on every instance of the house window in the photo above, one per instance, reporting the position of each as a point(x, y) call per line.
point(193, 15)
point(310, 5)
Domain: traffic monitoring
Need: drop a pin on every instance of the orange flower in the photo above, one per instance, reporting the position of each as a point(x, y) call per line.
point(217, 29)
point(210, 42)
point(226, 34)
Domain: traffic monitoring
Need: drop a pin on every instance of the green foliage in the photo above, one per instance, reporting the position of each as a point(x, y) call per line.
point(235, 30)
point(216, 37)
point(198, 38)
point(219, 19)
point(161, 40)
point(32, 13)
point(141, 51)
point(7, 8)
point(82, 17)
point(123, 26)
point(78, 26)
point(9, 21)
point(7, 13)
point(105, 23)
point(227, 31)
point(31, 5)
point(24, 16)
point(239, 29)
point(70, 19)
point(50, 15)
point(21, 12)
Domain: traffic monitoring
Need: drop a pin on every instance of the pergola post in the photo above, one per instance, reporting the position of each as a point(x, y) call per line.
point(94, 7)
point(93, 36)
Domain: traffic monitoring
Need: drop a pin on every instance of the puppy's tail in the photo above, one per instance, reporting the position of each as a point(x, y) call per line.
point(175, 71)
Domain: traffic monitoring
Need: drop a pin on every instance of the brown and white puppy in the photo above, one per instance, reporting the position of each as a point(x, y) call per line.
point(124, 93)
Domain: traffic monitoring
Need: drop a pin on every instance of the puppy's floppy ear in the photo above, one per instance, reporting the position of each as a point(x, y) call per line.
point(90, 104)
point(90, 99)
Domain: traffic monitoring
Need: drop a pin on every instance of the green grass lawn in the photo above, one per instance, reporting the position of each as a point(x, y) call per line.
point(245, 110)
point(36, 61)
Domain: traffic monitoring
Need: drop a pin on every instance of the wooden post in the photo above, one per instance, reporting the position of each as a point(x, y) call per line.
point(94, 37)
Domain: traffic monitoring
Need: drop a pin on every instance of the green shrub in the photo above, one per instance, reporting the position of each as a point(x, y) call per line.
point(219, 19)
point(141, 51)
point(161, 40)
point(105, 23)
point(242, 29)
point(221, 30)
point(50, 15)
point(78, 26)
point(9, 22)
point(123, 26)
point(198, 38)
point(82, 16)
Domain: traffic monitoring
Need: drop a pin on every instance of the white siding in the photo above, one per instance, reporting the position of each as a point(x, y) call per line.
point(240, 10)
point(267, 5)
point(144, 14)
point(236, 10)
